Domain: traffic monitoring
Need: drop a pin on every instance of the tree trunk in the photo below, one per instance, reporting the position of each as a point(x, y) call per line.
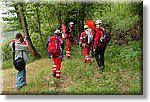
point(31, 48)
point(39, 25)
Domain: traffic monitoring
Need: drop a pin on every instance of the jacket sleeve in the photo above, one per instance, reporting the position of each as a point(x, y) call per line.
point(68, 33)
point(97, 36)
point(103, 30)
point(20, 46)
point(61, 42)
point(81, 38)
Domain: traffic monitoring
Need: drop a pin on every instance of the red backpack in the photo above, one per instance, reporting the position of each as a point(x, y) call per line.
point(53, 46)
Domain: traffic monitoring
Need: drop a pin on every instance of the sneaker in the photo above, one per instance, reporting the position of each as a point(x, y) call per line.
point(24, 84)
point(18, 88)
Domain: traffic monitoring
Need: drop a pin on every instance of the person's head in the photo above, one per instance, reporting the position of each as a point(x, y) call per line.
point(98, 23)
point(19, 36)
point(57, 32)
point(71, 24)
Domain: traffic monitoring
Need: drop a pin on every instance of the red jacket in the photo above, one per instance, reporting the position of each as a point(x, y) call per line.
point(99, 34)
point(82, 39)
point(68, 33)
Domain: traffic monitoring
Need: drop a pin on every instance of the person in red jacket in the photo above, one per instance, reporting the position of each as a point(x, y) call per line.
point(57, 57)
point(99, 47)
point(85, 44)
point(68, 36)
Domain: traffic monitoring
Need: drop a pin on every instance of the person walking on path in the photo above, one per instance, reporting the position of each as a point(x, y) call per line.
point(55, 50)
point(99, 47)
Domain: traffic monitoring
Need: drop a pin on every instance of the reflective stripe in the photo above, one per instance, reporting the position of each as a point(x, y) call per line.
point(87, 56)
point(54, 65)
point(67, 54)
point(57, 75)
point(88, 59)
point(58, 71)
point(54, 68)
point(81, 38)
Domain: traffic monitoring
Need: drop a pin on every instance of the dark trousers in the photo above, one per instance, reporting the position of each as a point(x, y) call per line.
point(99, 55)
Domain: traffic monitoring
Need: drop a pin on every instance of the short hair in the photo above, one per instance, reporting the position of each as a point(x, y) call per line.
point(18, 35)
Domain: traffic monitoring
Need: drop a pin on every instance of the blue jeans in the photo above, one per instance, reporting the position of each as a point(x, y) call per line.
point(20, 78)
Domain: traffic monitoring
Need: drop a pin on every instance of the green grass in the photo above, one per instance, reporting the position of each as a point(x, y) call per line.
point(123, 74)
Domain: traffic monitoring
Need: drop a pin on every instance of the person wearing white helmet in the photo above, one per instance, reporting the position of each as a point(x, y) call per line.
point(54, 47)
point(69, 37)
point(71, 23)
point(57, 32)
point(98, 23)
point(99, 47)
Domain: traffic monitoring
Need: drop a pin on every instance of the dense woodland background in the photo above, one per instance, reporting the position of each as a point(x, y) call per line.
point(123, 20)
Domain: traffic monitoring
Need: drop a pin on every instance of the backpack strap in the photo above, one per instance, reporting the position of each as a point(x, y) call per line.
point(14, 51)
point(57, 42)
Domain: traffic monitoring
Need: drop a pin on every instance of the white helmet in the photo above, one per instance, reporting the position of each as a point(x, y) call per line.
point(71, 23)
point(98, 22)
point(57, 31)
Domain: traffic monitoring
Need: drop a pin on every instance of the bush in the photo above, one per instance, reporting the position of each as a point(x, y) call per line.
point(6, 54)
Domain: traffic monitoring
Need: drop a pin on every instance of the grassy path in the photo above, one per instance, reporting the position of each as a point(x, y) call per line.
point(121, 76)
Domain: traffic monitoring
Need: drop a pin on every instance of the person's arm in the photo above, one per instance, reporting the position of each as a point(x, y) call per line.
point(97, 37)
point(20, 46)
point(81, 39)
point(61, 42)
point(103, 29)
point(11, 44)
point(68, 33)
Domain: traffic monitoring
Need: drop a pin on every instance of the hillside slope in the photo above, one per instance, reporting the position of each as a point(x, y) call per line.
point(123, 74)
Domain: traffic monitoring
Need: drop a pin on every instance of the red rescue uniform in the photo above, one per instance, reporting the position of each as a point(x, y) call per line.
point(85, 46)
point(57, 58)
point(68, 36)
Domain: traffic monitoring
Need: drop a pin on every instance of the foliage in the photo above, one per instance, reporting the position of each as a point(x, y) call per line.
point(44, 18)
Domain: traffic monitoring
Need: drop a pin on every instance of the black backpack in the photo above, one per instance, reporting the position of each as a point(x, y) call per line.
point(18, 63)
point(106, 36)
